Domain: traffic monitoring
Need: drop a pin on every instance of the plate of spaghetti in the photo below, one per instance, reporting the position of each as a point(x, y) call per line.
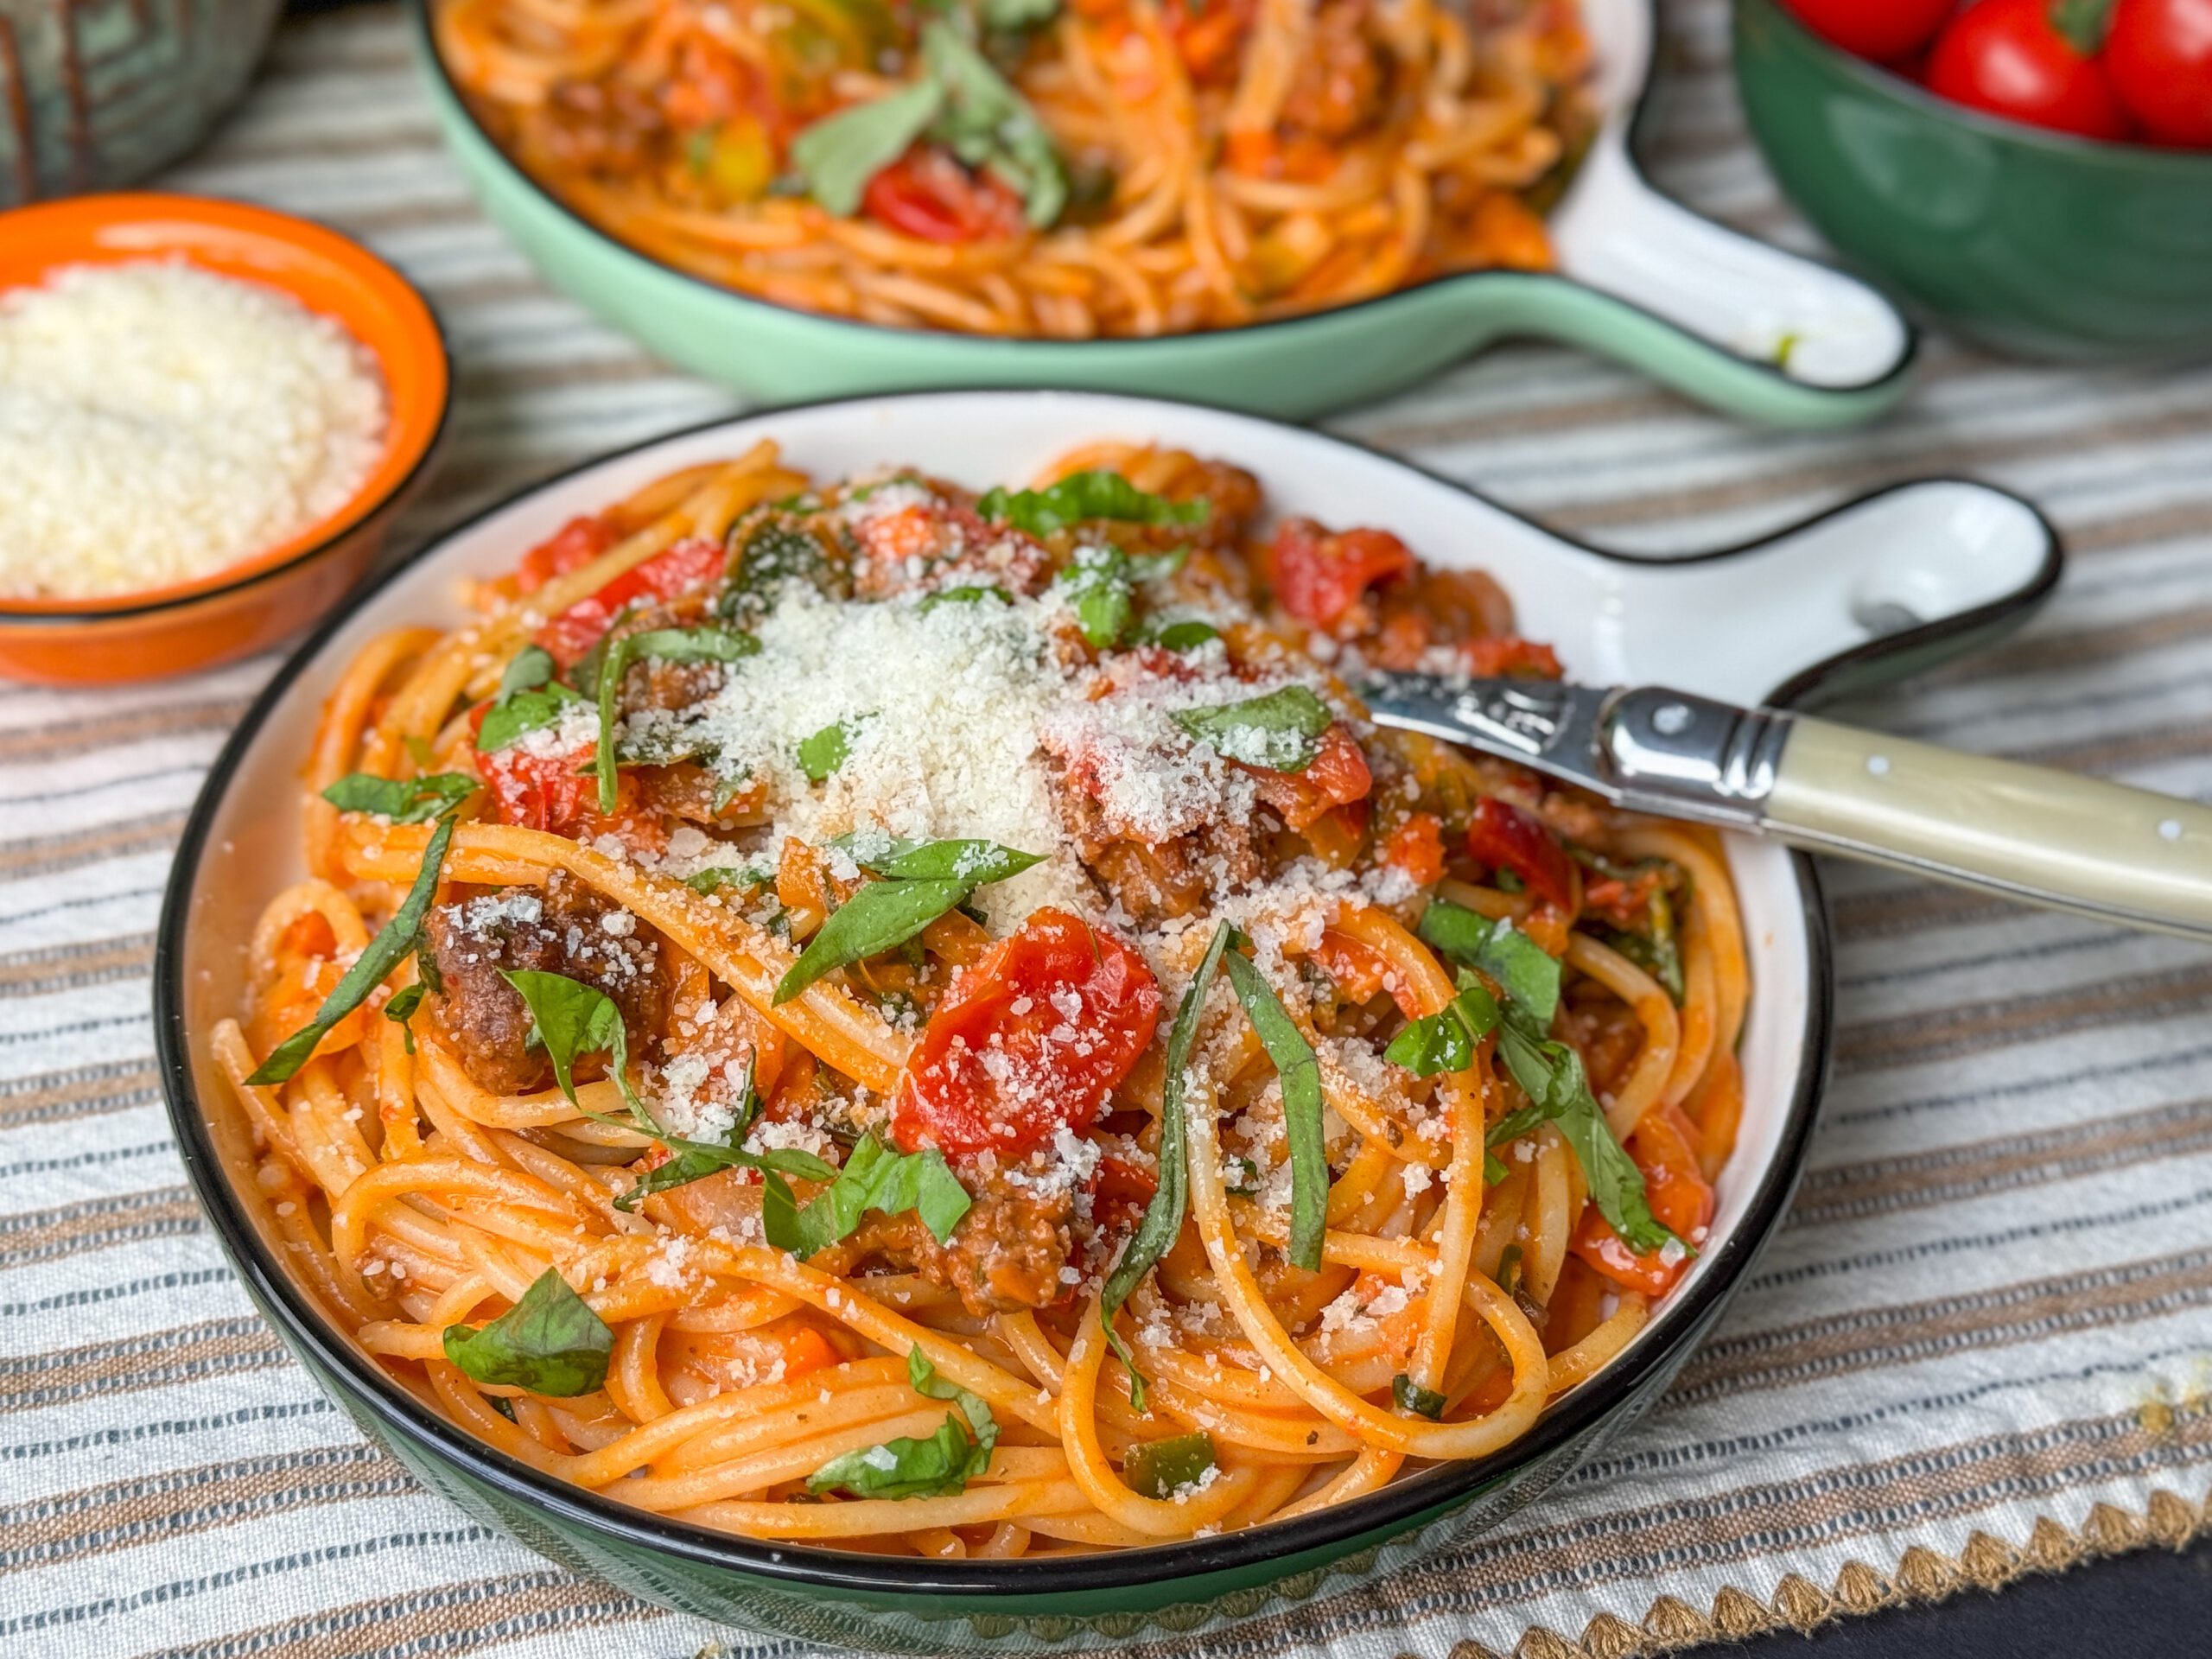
point(865, 195)
point(851, 1008)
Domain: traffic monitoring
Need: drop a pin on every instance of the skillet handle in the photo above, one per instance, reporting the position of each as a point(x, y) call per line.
point(2045, 837)
point(1757, 332)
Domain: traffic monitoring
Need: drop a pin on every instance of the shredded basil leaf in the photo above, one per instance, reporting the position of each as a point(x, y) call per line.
point(1659, 951)
point(1527, 975)
point(989, 126)
point(1163, 1217)
point(695, 1160)
point(719, 876)
point(1416, 1401)
point(821, 754)
point(882, 914)
point(402, 800)
point(1188, 634)
point(1281, 731)
point(402, 1008)
point(702, 645)
point(1081, 496)
point(1096, 585)
point(516, 714)
point(1009, 15)
point(873, 1178)
point(979, 861)
point(1159, 1469)
point(940, 1466)
point(965, 595)
point(1446, 1041)
point(1551, 1074)
point(550, 1343)
point(383, 953)
point(1300, 1076)
point(839, 155)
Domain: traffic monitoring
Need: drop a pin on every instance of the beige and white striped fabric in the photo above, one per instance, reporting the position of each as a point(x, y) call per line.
point(1984, 1336)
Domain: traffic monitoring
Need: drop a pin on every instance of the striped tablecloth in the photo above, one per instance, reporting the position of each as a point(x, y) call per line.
point(1982, 1343)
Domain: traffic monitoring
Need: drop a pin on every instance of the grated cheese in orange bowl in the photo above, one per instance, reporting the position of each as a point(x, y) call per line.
point(159, 423)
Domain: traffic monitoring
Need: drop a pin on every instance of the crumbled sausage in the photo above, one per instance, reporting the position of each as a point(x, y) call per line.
point(1005, 1255)
point(566, 928)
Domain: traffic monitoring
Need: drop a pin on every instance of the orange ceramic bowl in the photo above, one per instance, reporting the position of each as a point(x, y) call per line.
point(244, 606)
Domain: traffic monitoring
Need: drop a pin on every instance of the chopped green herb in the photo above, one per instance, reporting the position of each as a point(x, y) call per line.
point(1081, 496)
point(1446, 1041)
point(1097, 588)
point(719, 876)
point(1522, 968)
point(965, 595)
point(385, 952)
point(1187, 634)
point(940, 1466)
point(978, 862)
point(1300, 1077)
point(1280, 731)
point(1416, 1401)
point(1163, 1217)
point(701, 645)
point(402, 800)
point(873, 1178)
point(820, 755)
point(839, 155)
point(882, 914)
point(550, 1343)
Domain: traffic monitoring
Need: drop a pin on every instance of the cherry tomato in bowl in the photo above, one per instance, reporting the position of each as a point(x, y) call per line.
point(1884, 31)
point(2157, 56)
point(2013, 58)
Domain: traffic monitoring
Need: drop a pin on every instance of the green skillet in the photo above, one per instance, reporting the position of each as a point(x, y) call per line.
point(1761, 334)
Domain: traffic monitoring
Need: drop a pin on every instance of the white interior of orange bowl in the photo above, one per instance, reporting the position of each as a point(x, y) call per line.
point(1575, 599)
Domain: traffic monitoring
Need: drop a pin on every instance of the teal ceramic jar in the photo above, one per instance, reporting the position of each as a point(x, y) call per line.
point(103, 95)
point(2030, 242)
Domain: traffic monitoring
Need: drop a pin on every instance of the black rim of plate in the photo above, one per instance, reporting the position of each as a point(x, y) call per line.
point(1380, 1514)
point(368, 511)
point(1638, 105)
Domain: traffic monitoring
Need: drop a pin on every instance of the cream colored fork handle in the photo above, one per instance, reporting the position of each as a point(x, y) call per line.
point(2042, 836)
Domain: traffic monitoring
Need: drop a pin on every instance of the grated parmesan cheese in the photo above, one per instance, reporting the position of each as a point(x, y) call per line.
point(159, 422)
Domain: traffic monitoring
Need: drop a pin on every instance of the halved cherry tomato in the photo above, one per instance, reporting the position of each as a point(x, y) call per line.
point(1336, 776)
point(1505, 656)
point(1883, 30)
point(1664, 1146)
point(1505, 837)
point(1319, 576)
point(2009, 58)
point(1029, 1041)
point(1359, 972)
point(554, 792)
point(926, 193)
point(1417, 848)
point(2158, 59)
point(574, 545)
point(690, 563)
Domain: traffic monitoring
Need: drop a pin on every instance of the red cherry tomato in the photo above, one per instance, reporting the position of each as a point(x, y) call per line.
point(2158, 59)
point(1883, 30)
point(1319, 576)
point(1504, 837)
point(926, 193)
point(553, 791)
point(688, 565)
point(2008, 58)
point(1338, 775)
point(574, 545)
point(1664, 1146)
point(1029, 1041)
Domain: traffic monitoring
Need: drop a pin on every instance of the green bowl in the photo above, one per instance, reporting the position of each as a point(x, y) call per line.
point(2032, 242)
point(1762, 333)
